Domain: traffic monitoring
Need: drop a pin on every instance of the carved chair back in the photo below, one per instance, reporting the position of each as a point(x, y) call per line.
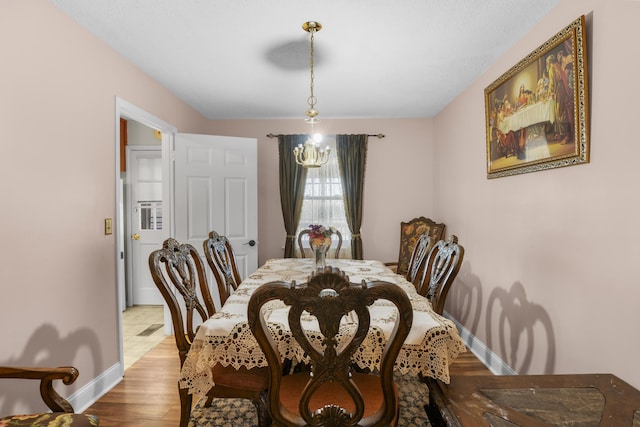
point(336, 236)
point(441, 269)
point(179, 266)
point(222, 261)
point(333, 394)
point(418, 259)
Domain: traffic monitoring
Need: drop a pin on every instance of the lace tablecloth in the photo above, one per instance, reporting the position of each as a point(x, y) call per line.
point(226, 338)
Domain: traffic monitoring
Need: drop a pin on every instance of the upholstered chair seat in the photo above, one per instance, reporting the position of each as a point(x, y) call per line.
point(51, 419)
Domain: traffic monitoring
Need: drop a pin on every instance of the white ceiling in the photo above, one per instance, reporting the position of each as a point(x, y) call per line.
point(249, 59)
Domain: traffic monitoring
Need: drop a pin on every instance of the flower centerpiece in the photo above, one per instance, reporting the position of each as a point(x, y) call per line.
point(319, 235)
point(320, 240)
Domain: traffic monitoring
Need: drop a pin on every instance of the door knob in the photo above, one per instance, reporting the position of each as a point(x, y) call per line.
point(250, 243)
point(136, 236)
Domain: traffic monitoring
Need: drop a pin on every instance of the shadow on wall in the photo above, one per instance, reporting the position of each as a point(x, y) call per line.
point(47, 349)
point(464, 302)
point(518, 330)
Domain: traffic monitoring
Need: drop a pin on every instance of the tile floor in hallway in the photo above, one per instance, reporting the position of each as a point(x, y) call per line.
point(142, 329)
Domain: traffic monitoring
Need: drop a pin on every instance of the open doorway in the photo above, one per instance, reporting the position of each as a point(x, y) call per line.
point(229, 165)
point(143, 222)
point(141, 173)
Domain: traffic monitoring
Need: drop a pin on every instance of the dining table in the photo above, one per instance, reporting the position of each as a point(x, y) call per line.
point(226, 338)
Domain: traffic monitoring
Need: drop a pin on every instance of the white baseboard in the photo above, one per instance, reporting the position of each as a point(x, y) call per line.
point(482, 352)
point(88, 394)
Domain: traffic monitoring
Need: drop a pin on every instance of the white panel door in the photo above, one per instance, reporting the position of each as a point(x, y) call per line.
point(146, 228)
point(216, 188)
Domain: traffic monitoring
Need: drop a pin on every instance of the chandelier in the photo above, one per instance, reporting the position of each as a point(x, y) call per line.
point(309, 156)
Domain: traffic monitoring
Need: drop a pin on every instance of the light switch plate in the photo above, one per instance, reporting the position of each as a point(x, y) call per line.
point(108, 226)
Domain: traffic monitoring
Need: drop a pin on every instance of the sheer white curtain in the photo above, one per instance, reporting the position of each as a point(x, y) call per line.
point(323, 202)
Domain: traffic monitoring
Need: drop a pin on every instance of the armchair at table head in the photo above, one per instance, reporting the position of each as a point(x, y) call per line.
point(409, 234)
point(333, 394)
point(222, 261)
point(441, 268)
point(179, 266)
point(335, 236)
point(63, 413)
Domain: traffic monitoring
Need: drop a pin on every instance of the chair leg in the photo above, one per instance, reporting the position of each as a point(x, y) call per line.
point(262, 407)
point(186, 400)
point(209, 399)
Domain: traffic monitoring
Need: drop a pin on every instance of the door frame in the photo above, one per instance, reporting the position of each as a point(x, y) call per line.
point(126, 110)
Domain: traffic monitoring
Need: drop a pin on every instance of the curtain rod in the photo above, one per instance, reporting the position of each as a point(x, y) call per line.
point(380, 135)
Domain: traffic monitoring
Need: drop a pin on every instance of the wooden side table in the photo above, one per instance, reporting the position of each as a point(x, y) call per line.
point(533, 400)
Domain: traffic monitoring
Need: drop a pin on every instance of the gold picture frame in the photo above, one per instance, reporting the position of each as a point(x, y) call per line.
point(537, 112)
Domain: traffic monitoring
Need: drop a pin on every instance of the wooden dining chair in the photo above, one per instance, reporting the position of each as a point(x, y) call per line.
point(178, 266)
point(336, 236)
point(222, 261)
point(418, 259)
point(333, 393)
point(62, 412)
point(441, 268)
point(409, 234)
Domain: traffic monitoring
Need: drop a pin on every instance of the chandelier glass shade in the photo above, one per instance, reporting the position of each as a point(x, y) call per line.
point(309, 156)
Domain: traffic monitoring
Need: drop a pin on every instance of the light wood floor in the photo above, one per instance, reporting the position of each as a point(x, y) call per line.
point(148, 394)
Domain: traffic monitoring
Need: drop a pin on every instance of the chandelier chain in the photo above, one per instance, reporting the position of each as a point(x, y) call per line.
point(312, 99)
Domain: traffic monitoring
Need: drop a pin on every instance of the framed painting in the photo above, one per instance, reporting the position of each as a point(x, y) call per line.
point(537, 112)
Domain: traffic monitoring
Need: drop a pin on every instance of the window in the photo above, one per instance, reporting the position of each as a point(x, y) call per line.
point(150, 215)
point(148, 182)
point(323, 202)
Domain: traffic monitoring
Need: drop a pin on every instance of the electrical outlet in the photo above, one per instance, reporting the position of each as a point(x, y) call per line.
point(108, 226)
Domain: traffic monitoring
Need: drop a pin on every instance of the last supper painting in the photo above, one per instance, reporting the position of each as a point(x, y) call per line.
point(536, 113)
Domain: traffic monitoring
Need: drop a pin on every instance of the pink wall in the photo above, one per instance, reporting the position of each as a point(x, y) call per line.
point(398, 180)
point(552, 253)
point(57, 172)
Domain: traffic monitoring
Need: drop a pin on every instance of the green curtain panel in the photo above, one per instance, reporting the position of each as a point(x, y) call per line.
point(293, 178)
point(352, 160)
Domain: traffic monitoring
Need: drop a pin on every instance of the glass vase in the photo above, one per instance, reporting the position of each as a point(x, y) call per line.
point(321, 257)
